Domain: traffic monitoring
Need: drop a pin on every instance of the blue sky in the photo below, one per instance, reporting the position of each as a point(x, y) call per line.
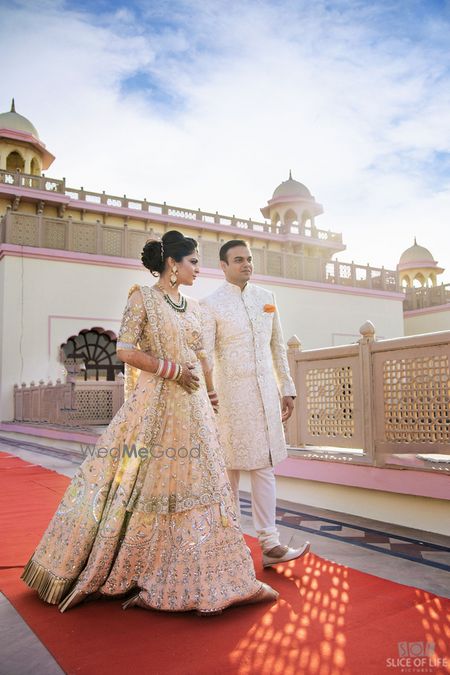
point(209, 104)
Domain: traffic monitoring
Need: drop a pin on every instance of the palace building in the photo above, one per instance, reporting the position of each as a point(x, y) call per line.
point(68, 257)
point(366, 479)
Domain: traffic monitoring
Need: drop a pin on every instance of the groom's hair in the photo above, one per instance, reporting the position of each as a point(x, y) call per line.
point(230, 244)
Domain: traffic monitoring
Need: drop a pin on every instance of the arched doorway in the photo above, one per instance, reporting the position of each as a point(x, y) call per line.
point(291, 221)
point(15, 161)
point(406, 281)
point(35, 168)
point(419, 281)
point(95, 351)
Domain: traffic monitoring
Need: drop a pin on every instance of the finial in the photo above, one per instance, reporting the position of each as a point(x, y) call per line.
point(367, 332)
point(290, 174)
point(294, 343)
point(13, 107)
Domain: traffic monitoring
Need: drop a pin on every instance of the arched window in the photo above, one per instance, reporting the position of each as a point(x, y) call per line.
point(306, 216)
point(419, 281)
point(35, 167)
point(95, 351)
point(15, 161)
point(406, 282)
point(275, 221)
point(291, 220)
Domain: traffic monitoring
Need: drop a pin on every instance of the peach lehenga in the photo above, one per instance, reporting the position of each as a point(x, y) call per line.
point(151, 511)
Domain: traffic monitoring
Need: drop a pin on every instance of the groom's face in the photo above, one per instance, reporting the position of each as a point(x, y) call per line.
point(239, 266)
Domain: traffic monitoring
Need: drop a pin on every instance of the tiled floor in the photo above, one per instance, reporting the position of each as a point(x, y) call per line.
point(412, 557)
point(415, 546)
point(404, 555)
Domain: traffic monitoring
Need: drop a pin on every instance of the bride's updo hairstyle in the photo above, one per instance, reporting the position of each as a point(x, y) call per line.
point(173, 245)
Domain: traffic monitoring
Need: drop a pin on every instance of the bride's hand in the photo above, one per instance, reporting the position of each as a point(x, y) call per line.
point(188, 380)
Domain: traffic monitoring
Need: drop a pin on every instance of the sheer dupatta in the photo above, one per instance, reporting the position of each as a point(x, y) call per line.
point(129, 333)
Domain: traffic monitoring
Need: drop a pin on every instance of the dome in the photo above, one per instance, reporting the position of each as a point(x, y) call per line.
point(291, 188)
point(418, 254)
point(16, 122)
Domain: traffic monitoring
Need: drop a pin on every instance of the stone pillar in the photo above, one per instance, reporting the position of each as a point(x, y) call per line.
point(367, 338)
point(294, 432)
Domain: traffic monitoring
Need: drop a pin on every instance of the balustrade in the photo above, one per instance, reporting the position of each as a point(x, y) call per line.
point(431, 296)
point(70, 403)
point(102, 239)
point(382, 403)
point(16, 178)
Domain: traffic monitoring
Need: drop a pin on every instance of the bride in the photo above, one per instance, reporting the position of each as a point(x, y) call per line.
point(151, 516)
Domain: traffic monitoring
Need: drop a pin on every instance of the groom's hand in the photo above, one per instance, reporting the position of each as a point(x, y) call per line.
point(287, 407)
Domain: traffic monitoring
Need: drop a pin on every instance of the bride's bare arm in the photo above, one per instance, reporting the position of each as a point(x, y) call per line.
point(139, 359)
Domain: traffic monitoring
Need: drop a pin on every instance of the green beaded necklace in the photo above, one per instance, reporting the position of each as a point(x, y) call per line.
point(178, 307)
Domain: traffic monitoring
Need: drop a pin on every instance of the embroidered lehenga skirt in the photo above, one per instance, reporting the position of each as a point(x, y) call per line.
point(152, 510)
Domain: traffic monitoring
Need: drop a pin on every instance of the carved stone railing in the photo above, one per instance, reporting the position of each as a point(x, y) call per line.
point(66, 234)
point(200, 217)
point(382, 403)
point(421, 298)
point(127, 242)
point(70, 403)
point(25, 180)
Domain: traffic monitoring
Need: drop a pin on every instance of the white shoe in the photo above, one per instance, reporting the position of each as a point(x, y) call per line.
point(291, 554)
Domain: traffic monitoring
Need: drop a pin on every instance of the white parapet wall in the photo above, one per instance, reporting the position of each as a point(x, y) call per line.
point(428, 320)
point(323, 315)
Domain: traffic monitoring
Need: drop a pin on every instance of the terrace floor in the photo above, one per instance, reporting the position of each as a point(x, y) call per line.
point(404, 555)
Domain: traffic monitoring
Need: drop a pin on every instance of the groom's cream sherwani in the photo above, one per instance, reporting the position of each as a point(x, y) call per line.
point(251, 372)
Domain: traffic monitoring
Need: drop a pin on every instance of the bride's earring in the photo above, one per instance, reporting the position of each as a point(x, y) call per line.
point(173, 276)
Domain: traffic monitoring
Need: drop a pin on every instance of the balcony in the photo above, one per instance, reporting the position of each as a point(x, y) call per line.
point(51, 188)
point(421, 298)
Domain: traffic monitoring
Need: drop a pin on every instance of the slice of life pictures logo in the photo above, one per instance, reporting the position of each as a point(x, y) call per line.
point(416, 657)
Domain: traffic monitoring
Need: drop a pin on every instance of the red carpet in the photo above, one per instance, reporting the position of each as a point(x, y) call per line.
point(330, 620)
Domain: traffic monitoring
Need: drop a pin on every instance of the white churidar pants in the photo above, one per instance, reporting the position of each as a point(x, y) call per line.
point(264, 501)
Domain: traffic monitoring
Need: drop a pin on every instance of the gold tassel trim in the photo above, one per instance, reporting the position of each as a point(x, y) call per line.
point(50, 588)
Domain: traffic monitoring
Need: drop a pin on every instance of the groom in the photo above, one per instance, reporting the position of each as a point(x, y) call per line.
point(242, 330)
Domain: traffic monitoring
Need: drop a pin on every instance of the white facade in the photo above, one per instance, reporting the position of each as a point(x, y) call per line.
point(325, 317)
point(429, 320)
point(45, 299)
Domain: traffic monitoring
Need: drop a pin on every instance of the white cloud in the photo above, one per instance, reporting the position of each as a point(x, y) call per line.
point(355, 110)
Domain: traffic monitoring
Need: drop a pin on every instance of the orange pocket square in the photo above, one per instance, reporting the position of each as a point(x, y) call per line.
point(269, 308)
